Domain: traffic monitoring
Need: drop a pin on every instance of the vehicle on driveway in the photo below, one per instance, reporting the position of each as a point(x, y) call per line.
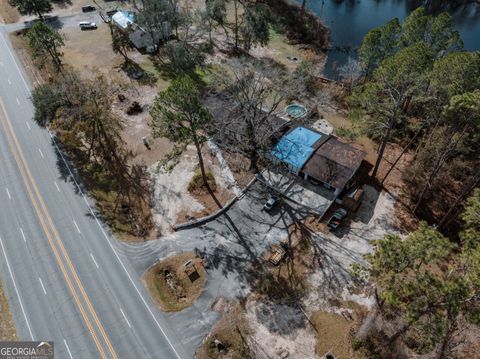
point(86, 25)
point(88, 8)
point(337, 218)
point(110, 13)
point(271, 203)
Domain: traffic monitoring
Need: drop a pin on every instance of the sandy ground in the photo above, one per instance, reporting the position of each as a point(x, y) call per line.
point(89, 50)
point(170, 191)
point(279, 328)
point(347, 245)
point(8, 14)
point(172, 200)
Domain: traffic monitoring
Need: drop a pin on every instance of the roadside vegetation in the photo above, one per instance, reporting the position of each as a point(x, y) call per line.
point(7, 326)
point(79, 112)
point(176, 282)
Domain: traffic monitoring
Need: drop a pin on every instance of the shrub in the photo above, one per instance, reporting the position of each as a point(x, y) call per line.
point(196, 183)
point(347, 133)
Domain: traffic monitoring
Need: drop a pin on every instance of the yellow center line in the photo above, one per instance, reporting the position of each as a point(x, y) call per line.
point(18, 152)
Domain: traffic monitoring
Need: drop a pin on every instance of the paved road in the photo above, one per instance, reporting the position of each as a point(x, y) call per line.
point(64, 276)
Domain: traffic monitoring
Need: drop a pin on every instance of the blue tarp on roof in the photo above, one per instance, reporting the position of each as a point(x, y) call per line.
point(295, 148)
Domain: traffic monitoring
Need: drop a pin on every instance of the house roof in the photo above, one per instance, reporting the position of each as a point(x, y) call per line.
point(123, 19)
point(334, 162)
point(296, 147)
point(144, 40)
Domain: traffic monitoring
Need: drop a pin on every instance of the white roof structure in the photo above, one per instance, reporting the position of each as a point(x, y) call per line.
point(122, 19)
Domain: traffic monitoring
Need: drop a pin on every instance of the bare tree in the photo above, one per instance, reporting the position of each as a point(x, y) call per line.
point(350, 73)
point(255, 91)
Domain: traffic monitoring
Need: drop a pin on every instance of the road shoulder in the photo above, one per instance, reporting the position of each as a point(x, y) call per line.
point(8, 331)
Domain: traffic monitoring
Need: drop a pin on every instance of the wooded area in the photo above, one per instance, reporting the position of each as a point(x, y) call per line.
point(421, 91)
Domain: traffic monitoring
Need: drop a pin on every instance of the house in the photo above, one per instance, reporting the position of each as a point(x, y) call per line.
point(318, 158)
point(143, 40)
point(322, 166)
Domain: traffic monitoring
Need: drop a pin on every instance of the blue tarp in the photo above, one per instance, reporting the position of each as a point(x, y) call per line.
point(295, 148)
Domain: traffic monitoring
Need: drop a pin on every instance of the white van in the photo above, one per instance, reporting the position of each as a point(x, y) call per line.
point(86, 25)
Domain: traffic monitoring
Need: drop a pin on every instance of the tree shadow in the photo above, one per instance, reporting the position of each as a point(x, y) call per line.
point(62, 3)
point(135, 72)
point(120, 205)
point(51, 20)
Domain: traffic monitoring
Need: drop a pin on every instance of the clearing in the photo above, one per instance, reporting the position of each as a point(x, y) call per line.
point(173, 203)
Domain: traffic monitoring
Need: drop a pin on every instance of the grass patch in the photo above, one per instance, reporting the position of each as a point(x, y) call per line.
point(208, 74)
point(180, 290)
point(232, 331)
point(347, 133)
point(7, 326)
point(333, 334)
point(197, 183)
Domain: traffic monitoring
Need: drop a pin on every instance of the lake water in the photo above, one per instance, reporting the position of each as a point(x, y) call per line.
point(350, 20)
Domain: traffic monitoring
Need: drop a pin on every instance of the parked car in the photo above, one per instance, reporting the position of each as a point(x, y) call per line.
point(336, 218)
point(85, 25)
point(110, 13)
point(88, 8)
point(271, 202)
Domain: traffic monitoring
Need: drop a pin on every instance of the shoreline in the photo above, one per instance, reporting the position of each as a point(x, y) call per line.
point(301, 26)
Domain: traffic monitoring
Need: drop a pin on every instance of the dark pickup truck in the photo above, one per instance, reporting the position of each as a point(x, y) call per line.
point(88, 8)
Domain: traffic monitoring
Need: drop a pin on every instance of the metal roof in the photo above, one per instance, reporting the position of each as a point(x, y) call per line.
point(123, 19)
